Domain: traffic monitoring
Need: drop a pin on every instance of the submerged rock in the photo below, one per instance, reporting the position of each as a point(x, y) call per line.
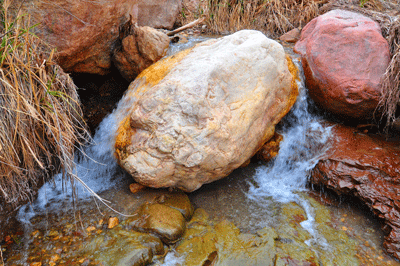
point(202, 113)
point(344, 57)
point(369, 169)
point(119, 247)
point(166, 217)
point(223, 244)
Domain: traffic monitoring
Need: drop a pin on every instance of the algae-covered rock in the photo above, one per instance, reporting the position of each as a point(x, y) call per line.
point(179, 201)
point(166, 222)
point(198, 115)
point(122, 248)
point(327, 246)
point(222, 244)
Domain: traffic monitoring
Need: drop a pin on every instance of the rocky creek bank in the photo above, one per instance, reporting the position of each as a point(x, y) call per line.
point(167, 229)
point(369, 169)
point(177, 154)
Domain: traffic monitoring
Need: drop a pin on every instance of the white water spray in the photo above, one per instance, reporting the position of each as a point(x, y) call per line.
point(97, 168)
point(304, 139)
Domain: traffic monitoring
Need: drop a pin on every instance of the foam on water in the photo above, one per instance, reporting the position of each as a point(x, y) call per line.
point(171, 259)
point(95, 166)
point(304, 141)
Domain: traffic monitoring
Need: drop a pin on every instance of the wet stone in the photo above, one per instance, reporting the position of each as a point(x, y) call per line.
point(119, 247)
point(161, 220)
point(178, 201)
point(222, 244)
point(329, 246)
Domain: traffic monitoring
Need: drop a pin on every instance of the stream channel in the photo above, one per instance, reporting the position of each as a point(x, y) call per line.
point(273, 194)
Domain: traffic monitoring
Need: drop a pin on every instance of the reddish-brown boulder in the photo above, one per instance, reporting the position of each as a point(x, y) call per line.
point(368, 168)
point(158, 14)
point(83, 32)
point(86, 32)
point(344, 57)
point(139, 50)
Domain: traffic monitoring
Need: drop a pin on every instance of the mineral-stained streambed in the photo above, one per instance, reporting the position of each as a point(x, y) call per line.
point(60, 231)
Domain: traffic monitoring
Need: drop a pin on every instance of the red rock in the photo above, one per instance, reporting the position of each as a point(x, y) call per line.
point(291, 36)
point(344, 56)
point(368, 168)
point(83, 32)
point(158, 14)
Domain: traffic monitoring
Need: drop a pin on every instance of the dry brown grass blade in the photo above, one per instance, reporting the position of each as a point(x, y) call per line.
point(41, 120)
point(390, 98)
point(273, 17)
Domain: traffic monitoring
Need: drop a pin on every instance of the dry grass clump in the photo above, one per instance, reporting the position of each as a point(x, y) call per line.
point(390, 98)
point(39, 109)
point(273, 17)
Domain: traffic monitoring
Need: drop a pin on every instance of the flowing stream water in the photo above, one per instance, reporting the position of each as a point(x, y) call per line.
point(251, 197)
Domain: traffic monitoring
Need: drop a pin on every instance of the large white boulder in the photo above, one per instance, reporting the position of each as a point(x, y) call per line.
point(198, 115)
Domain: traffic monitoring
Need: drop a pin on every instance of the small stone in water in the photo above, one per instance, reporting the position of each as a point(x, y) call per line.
point(113, 222)
point(136, 187)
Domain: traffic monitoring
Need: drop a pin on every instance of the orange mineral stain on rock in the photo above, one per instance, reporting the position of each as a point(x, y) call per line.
point(270, 149)
point(151, 76)
point(136, 187)
point(156, 72)
point(294, 88)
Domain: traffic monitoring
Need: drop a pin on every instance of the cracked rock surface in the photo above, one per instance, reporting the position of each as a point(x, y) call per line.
point(198, 115)
point(368, 168)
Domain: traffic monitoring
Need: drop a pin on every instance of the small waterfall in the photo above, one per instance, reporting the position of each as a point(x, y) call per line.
point(304, 139)
point(95, 165)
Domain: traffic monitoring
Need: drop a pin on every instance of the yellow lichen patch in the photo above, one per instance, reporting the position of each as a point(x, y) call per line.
point(156, 72)
point(123, 138)
point(294, 88)
point(151, 76)
point(270, 148)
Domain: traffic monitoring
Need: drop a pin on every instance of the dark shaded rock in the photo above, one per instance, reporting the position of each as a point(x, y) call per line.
point(270, 149)
point(344, 57)
point(143, 47)
point(368, 168)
